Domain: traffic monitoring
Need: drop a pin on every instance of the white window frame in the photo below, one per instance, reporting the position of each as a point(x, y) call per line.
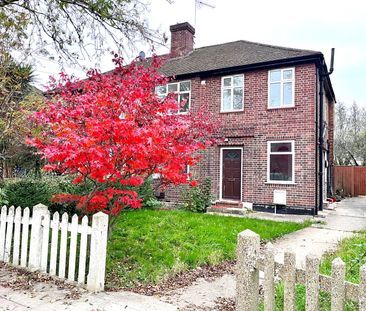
point(179, 92)
point(282, 81)
point(292, 142)
point(232, 93)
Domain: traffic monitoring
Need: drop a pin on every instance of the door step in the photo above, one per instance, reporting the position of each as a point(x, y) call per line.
point(232, 208)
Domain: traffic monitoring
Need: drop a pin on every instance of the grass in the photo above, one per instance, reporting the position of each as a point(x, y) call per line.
point(149, 246)
point(353, 252)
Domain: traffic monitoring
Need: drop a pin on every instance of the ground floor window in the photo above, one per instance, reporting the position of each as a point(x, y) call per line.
point(281, 160)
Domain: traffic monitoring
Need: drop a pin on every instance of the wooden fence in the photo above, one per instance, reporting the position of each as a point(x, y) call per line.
point(250, 260)
point(350, 180)
point(54, 247)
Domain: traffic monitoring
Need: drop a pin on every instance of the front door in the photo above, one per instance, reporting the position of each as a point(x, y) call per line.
point(231, 174)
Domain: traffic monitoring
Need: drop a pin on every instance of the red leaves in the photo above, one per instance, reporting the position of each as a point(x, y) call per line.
point(113, 129)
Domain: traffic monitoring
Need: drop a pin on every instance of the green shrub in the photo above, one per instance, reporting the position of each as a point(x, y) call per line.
point(147, 194)
point(197, 199)
point(28, 192)
point(3, 198)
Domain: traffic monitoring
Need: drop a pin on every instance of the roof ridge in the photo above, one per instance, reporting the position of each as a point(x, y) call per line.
point(260, 44)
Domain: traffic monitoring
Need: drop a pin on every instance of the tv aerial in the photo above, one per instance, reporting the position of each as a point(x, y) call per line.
point(199, 4)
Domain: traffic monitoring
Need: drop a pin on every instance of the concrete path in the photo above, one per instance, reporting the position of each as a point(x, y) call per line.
point(348, 216)
point(51, 298)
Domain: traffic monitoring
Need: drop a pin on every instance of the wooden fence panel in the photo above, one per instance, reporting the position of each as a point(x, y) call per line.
point(350, 180)
point(360, 180)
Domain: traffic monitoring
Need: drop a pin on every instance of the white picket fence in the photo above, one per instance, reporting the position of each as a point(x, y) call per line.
point(72, 251)
point(251, 260)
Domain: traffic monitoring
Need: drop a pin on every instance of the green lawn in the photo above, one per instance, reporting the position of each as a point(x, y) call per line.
point(148, 246)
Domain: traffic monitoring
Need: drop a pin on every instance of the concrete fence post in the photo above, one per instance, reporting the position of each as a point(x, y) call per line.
point(362, 289)
point(247, 274)
point(338, 286)
point(35, 249)
point(268, 284)
point(289, 280)
point(312, 283)
point(98, 252)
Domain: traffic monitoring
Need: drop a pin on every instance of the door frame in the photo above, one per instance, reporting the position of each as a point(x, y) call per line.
point(241, 173)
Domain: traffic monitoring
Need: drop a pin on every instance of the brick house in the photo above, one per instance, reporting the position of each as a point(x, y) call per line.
point(268, 99)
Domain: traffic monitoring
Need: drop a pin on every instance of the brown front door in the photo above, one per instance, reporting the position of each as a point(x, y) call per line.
point(231, 174)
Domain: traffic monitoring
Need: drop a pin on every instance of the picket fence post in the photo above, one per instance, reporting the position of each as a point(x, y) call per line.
point(247, 274)
point(35, 250)
point(98, 252)
point(4, 213)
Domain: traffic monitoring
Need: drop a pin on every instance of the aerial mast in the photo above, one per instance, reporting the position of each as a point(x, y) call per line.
point(198, 4)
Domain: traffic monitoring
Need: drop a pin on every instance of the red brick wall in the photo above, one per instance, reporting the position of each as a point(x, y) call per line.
point(182, 39)
point(254, 127)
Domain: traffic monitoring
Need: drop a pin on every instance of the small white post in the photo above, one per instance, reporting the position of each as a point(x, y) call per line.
point(25, 234)
point(83, 248)
point(247, 274)
point(4, 214)
point(98, 252)
point(9, 234)
point(63, 245)
point(35, 251)
point(73, 245)
point(54, 242)
point(338, 287)
point(16, 245)
point(45, 242)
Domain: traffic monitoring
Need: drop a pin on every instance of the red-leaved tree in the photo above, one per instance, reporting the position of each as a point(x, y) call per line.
point(112, 130)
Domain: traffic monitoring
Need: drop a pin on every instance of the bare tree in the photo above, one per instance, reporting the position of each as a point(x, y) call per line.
point(75, 29)
point(350, 135)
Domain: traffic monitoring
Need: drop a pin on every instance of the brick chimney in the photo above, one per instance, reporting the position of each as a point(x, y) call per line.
point(181, 39)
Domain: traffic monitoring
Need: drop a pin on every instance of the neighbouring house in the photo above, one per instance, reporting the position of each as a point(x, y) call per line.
point(276, 105)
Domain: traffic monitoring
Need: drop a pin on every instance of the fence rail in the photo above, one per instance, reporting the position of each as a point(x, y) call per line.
point(69, 250)
point(251, 260)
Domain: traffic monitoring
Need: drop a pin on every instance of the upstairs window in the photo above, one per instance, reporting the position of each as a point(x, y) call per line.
point(281, 88)
point(181, 92)
point(281, 160)
point(232, 93)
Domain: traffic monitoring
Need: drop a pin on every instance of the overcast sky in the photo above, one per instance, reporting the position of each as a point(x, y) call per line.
point(312, 24)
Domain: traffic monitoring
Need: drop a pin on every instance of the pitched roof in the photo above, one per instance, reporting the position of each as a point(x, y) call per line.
point(230, 55)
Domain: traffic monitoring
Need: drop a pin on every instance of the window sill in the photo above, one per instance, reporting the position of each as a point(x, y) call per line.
point(280, 183)
point(281, 107)
point(231, 111)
